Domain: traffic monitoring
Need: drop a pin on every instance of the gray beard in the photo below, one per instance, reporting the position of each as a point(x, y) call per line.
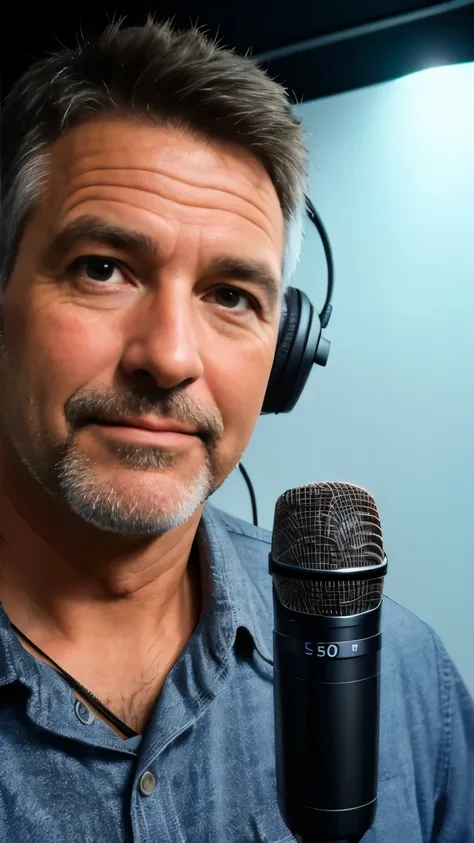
point(102, 507)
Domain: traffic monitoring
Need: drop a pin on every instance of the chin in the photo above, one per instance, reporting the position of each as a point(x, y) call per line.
point(138, 503)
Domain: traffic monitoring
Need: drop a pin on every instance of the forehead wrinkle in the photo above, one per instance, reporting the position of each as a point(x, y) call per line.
point(243, 199)
point(80, 198)
point(198, 185)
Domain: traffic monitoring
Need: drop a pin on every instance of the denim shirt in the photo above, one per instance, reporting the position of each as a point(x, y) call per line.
point(204, 769)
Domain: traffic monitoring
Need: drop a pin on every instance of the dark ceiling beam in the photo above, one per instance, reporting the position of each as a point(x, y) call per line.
point(376, 51)
point(367, 28)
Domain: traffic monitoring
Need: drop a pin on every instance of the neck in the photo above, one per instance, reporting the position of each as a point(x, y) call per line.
point(72, 588)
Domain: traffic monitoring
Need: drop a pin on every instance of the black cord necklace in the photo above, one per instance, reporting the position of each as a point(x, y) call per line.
point(87, 694)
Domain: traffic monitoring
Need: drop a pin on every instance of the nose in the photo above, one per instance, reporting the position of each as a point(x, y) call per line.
point(162, 342)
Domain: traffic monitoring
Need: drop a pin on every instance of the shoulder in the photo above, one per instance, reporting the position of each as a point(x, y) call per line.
point(412, 648)
point(413, 661)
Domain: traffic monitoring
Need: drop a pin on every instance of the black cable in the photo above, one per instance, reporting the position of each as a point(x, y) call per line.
point(253, 499)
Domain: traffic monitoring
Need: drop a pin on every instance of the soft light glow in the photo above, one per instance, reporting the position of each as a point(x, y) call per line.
point(436, 109)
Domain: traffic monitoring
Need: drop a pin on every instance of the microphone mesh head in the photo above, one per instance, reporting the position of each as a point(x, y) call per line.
point(330, 527)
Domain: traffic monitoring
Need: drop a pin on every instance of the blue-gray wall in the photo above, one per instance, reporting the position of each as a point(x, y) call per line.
point(393, 177)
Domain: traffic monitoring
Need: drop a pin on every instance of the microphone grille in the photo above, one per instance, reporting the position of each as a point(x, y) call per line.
point(328, 526)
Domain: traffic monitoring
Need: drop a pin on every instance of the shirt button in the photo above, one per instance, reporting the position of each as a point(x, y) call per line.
point(147, 783)
point(84, 714)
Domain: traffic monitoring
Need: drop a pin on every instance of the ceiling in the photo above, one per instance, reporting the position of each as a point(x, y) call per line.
point(315, 47)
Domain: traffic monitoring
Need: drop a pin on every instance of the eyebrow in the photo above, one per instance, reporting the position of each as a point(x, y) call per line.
point(96, 229)
point(250, 270)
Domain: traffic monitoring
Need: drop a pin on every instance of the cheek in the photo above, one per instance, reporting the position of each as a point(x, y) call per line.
point(56, 350)
point(237, 377)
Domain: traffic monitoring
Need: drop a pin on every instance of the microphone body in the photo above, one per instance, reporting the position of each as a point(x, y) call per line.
point(327, 699)
point(328, 566)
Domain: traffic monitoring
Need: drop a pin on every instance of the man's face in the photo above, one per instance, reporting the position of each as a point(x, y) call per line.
point(145, 294)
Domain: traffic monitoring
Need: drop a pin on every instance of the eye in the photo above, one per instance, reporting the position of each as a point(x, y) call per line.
point(232, 298)
point(95, 268)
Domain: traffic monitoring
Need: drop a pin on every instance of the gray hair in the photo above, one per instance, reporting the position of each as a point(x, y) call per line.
point(181, 78)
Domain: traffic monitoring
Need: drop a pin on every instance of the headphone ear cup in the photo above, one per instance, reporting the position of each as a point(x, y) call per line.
point(297, 349)
point(288, 327)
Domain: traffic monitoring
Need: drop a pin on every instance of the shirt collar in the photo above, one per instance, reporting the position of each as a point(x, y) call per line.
point(236, 599)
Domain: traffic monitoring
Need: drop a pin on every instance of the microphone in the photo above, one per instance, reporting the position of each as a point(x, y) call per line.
point(328, 567)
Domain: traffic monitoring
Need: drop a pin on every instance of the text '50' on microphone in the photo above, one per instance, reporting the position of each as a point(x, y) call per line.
point(328, 567)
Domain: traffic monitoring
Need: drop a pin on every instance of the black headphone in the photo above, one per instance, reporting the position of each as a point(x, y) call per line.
point(300, 343)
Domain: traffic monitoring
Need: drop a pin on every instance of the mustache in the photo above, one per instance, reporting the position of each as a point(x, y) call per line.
point(90, 405)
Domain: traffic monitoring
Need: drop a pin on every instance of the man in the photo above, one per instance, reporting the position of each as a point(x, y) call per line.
point(151, 184)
